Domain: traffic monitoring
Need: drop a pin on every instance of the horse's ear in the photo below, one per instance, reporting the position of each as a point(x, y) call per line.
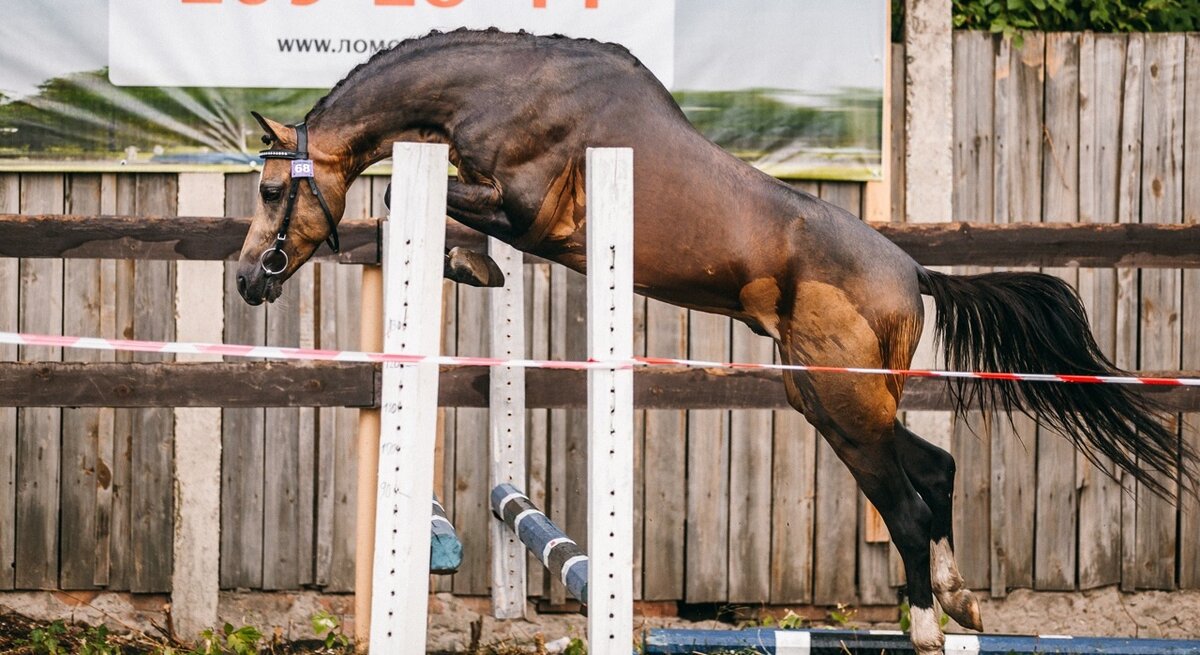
point(273, 130)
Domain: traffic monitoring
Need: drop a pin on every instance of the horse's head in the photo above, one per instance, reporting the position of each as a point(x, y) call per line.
point(301, 197)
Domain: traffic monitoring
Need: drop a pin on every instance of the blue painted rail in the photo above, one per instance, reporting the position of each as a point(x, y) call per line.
point(557, 552)
point(846, 642)
point(445, 550)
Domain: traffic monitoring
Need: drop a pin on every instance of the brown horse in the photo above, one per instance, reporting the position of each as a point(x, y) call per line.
point(714, 234)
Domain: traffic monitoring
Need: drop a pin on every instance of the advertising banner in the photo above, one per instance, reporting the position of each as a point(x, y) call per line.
point(795, 87)
point(313, 44)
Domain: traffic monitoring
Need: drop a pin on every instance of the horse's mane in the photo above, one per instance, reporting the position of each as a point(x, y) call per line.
point(462, 36)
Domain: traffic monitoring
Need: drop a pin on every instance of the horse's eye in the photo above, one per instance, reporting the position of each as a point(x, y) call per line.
point(271, 193)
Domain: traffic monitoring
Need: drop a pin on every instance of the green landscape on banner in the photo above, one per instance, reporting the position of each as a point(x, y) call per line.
point(811, 105)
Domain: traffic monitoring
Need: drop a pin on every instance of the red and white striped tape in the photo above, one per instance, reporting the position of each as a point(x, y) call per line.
point(308, 354)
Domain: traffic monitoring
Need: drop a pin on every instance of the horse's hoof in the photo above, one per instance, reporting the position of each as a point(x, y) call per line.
point(473, 268)
point(962, 606)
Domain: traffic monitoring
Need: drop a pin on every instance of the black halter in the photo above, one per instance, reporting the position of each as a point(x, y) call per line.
point(274, 260)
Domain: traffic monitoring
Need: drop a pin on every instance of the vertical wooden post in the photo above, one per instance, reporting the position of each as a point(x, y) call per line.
point(877, 194)
point(371, 340)
point(506, 425)
point(610, 400)
point(413, 243)
point(929, 154)
point(199, 316)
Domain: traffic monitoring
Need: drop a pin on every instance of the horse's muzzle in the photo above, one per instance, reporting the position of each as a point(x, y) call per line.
point(255, 286)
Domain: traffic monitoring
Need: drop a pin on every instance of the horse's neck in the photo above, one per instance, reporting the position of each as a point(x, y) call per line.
point(403, 105)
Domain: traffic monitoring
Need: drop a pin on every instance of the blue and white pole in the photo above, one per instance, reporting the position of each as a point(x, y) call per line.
point(557, 552)
point(445, 550)
point(874, 642)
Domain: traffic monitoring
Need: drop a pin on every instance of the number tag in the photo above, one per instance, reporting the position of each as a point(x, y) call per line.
point(302, 168)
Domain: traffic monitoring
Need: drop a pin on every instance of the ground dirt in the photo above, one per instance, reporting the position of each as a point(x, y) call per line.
point(463, 625)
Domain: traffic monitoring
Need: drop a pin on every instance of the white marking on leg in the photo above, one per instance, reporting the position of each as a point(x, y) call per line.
point(949, 587)
point(943, 568)
point(927, 637)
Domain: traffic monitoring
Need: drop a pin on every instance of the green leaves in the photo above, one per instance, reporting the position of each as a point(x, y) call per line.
point(328, 627)
point(47, 640)
point(1010, 17)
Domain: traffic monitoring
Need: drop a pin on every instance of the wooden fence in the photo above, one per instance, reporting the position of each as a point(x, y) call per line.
point(1088, 129)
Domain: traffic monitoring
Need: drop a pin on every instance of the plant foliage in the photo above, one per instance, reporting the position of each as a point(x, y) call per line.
point(1008, 17)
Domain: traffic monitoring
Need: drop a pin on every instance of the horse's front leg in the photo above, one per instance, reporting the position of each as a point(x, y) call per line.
point(478, 207)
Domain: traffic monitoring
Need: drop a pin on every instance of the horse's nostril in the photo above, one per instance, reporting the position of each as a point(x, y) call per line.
point(241, 281)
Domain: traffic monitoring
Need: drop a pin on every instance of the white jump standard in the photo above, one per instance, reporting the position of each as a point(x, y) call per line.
point(414, 237)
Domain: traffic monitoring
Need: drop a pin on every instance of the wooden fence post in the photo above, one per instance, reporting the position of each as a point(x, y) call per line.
point(199, 316)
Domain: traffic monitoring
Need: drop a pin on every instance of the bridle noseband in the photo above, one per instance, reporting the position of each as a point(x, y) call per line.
point(274, 260)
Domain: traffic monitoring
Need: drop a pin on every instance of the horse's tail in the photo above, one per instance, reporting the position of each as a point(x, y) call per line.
point(1034, 323)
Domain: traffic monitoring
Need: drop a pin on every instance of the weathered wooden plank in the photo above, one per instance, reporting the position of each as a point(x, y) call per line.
point(284, 508)
point(1121, 246)
point(568, 434)
point(39, 429)
point(974, 195)
point(85, 306)
point(707, 572)
point(10, 197)
point(1189, 514)
point(575, 425)
point(1101, 76)
point(338, 384)
point(152, 501)
point(307, 434)
point(792, 514)
point(1017, 170)
point(106, 442)
point(1129, 192)
point(308, 384)
point(348, 289)
point(199, 316)
point(339, 292)
point(898, 133)
point(1055, 551)
point(447, 430)
point(472, 515)
point(666, 455)
point(537, 421)
point(242, 463)
point(120, 537)
point(750, 466)
point(1161, 292)
point(565, 318)
point(974, 80)
point(156, 236)
point(835, 534)
point(928, 114)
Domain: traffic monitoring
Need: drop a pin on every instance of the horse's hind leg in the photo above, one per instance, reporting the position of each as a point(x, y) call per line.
point(856, 415)
point(931, 471)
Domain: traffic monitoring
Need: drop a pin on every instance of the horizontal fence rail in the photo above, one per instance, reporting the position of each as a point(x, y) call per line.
point(335, 384)
point(1128, 245)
